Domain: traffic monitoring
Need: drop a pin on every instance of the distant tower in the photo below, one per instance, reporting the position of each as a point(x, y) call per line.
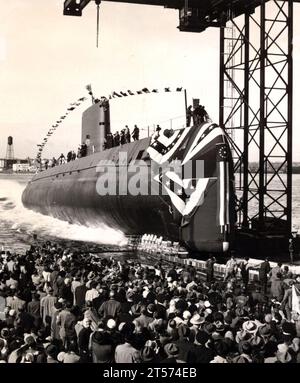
point(10, 149)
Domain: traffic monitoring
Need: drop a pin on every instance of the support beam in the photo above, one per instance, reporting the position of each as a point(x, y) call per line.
point(261, 73)
point(290, 114)
point(74, 7)
point(245, 162)
point(262, 116)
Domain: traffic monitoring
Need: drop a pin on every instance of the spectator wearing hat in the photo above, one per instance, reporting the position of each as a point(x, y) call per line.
point(187, 352)
point(71, 355)
point(148, 355)
point(172, 352)
point(204, 354)
point(245, 350)
point(92, 293)
point(196, 321)
point(102, 347)
point(221, 350)
point(51, 351)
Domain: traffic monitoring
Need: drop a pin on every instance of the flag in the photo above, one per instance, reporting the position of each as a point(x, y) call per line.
point(72, 108)
point(139, 92)
point(179, 89)
point(89, 87)
point(145, 90)
point(206, 136)
point(185, 194)
point(116, 94)
point(82, 99)
point(162, 148)
point(62, 117)
point(295, 300)
point(154, 91)
point(124, 94)
point(58, 122)
point(167, 90)
point(129, 92)
point(223, 185)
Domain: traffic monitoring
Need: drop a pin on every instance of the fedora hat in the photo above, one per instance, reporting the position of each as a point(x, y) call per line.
point(171, 349)
point(250, 326)
point(197, 319)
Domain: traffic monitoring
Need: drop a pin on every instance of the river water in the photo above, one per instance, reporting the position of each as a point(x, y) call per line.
point(18, 224)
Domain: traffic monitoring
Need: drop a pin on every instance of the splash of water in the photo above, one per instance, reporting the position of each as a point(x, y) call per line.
point(13, 213)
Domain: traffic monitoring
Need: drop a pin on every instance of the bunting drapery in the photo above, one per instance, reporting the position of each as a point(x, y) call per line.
point(53, 128)
point(143, 91)
point(114, 94)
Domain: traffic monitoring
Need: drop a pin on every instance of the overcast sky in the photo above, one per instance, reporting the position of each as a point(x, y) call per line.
point(47, 59)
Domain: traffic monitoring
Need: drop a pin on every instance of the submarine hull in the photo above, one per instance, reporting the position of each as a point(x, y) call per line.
point(117, 187)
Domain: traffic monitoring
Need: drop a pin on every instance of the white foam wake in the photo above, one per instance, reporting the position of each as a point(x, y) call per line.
point(15, 214)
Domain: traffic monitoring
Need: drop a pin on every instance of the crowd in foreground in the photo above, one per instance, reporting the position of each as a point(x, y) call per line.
point(65, 306)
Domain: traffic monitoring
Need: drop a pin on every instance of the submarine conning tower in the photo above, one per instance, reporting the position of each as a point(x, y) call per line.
point(95, 126)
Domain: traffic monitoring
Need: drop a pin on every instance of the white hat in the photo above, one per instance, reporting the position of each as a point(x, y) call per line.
point(186, 314)
point(111, 324)
point(61, 356)
point(207, 304)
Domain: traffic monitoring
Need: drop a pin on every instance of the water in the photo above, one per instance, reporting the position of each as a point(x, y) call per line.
point(18, 224)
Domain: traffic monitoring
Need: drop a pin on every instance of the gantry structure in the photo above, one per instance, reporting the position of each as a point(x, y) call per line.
point(256, 63)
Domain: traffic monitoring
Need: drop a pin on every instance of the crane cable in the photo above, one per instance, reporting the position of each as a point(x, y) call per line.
point(98, 2)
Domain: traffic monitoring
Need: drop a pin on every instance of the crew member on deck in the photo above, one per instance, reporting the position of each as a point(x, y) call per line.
point(61, 159)
point(127, 134)
point(69, 156)
point(123, 137)
point(135, 133)
point(189, 115)
point(109, 141)
point(157, 132)
point(117, 139)
point(200, 115)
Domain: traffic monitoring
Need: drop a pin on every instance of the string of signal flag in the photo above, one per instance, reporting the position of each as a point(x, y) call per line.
point(77, 103)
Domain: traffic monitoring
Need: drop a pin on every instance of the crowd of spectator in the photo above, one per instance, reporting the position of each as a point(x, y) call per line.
point(63, 305)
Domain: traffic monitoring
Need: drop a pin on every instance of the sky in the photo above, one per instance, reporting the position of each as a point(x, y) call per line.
point(47, 59)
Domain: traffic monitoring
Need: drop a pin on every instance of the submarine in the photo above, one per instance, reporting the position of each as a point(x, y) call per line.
point(178, 183)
